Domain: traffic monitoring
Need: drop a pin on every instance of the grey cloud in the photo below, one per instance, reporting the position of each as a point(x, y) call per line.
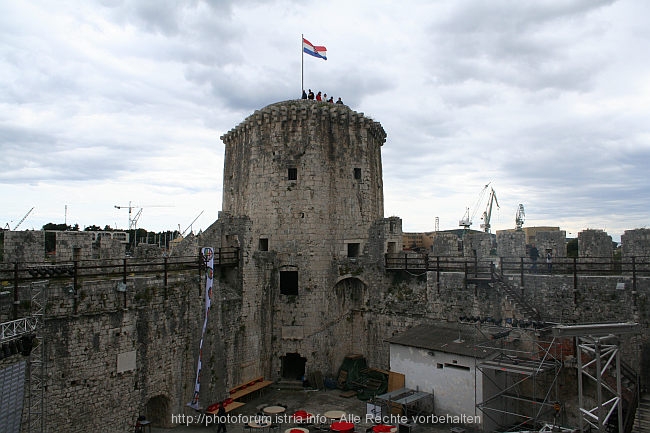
point(514, 16)
point(520, 48)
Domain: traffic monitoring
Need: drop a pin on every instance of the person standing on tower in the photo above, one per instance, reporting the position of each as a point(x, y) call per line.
point(318, 97)
point(304, 94)
point(549, 261)
point(310, 95)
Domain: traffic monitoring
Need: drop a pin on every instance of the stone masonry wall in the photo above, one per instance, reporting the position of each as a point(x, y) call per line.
point(74, 246)
point(555, 241)
point(477, 245)
point(25, 246)
point(594, 243)
point(511, 245)
point(109, 353)
point(29, 247)
point(636, 243)
point(446, 244)
point(88, 332)
point(110, 248)
point(635, 246)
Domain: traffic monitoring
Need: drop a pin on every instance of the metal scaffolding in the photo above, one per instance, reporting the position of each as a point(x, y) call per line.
point(36, 374)
point(28, 332)
point(597, 355)
point(525, 380)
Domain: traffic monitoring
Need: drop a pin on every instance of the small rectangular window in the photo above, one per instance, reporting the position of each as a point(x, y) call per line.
point(264, 244)
point(456, 366)
point(353, 250)
point(357, 173)
point(439, 365)
point(289, 283)
point(292, 174)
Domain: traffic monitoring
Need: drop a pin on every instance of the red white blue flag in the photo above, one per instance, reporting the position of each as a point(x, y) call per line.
point(314, 50)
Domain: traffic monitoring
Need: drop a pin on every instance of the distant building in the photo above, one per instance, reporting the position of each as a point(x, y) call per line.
point(418, 241)
point(119, 236)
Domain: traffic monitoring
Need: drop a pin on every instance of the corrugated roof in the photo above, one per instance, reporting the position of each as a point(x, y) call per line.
point(459, 340)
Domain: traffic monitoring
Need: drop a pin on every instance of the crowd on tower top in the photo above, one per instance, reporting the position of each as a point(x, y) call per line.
point(321, 97)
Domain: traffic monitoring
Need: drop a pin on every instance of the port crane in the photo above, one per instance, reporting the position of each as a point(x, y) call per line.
point(466, 221)
point(487, 214)
point(519, 217)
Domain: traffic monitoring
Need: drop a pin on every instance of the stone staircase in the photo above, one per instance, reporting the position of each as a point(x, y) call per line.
point(642, 419)
point(513, 296)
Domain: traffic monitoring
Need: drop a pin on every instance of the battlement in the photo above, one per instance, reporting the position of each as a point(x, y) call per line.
point(299, 111)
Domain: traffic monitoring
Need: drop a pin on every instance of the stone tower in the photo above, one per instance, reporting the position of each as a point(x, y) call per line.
point(302, 171)
point(303, 200)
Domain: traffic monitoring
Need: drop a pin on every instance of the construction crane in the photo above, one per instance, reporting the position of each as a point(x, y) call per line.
point(466, 222)
point(190, 226)
point(519, 217)
point(133, 221)
point(182, 234)
point(23, 218)
point(487, 214)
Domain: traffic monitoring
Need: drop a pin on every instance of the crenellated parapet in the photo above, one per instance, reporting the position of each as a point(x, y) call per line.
point(299, 112)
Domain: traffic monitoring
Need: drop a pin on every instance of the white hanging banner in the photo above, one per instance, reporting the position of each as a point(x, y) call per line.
point(208, 256)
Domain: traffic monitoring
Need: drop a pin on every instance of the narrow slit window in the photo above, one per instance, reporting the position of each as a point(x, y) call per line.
point(357, 173)
point(456, 366)
point(292, 173)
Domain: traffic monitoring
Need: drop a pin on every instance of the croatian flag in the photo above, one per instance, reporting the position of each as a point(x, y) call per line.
point(313, 50)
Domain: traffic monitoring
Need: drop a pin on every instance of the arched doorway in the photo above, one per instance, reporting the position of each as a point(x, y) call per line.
point(293, 366)
point(158, 411)
point(349, 292)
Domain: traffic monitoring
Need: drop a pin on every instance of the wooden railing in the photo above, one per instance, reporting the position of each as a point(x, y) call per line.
point(12, 275)
point(580, 266)
point(111, 268)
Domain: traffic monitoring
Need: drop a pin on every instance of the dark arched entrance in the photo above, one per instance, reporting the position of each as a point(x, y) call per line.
point(158, 411)
point(293, 366)
point(348, 293)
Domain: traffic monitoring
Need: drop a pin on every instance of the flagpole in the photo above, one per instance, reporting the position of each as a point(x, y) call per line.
point(302, 64)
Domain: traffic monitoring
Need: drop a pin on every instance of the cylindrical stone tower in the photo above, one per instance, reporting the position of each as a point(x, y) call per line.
point(307, 178)
point(305, 170)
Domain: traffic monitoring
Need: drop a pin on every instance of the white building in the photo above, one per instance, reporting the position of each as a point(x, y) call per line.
point(442, 361)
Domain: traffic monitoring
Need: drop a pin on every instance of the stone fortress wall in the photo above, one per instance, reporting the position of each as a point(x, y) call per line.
point(118, 354)
point(307, 177)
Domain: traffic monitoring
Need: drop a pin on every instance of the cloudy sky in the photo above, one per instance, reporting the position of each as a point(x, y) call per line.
point(106, 103)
